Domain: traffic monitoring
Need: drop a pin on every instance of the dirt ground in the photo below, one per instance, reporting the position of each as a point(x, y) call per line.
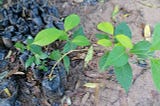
point(136, 13)
point(143, 91)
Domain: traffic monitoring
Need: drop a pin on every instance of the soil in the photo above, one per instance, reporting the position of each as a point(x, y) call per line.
point(109, 93)
point(143, 91)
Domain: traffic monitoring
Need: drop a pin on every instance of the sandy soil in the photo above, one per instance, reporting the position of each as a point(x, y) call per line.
point(142, 92)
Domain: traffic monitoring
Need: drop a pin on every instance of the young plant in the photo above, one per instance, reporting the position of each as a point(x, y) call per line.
point(37, 56)
point(118, 39)
point(50, 35)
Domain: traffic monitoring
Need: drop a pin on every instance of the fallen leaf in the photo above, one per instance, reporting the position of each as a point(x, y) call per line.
point(91, 85)
point(89, 56)
point(9, 54)
point(19, 73)
point(6, 90)
point(94, 75)
point(13, 71)
point(147, 33)
point(77, 84)
point(115, 12)
point(126, 15)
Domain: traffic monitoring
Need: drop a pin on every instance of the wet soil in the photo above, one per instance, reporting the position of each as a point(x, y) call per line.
point(110, 93)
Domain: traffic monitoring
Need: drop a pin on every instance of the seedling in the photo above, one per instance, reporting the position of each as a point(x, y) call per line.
point(50, 35)
point(118, 39)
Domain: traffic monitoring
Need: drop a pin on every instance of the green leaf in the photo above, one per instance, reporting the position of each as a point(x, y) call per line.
point(29, 61)
point(155, 69)
point(37, 60)
point(123, 28)
point(124, 76)
point(71, 22)
point(141, 49)
point(55, 55)
point(156, 38)
point(106, 27)
point(81, 41)
point(35, 49)
point(43, 55)
point(125, 41)
point(117, 57)
point(69, 46)
point(102, 63)
point(64, 36)
point(104, 42)
point(47, 36)
point(78, 31)
point(89, 56)
point(43, 67)
point(20, 46)
point(102, 36)
point(29, 41)
point(66, 62)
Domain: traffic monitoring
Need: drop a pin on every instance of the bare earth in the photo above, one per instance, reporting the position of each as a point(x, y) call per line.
point(143, 91)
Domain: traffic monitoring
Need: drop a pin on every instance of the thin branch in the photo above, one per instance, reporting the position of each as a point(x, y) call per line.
point(59, 60)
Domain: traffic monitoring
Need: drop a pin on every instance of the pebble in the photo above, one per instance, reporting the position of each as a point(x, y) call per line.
point(2, 56)
point(3, 64)
point(78, 1)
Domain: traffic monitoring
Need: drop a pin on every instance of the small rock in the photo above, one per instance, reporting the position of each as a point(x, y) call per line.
point(3, 64)
point(78, 1)
point(38, 21)
point(2, 55)
point(7, 42)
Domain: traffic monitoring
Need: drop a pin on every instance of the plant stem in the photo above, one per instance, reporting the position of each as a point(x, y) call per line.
point(52, 70)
